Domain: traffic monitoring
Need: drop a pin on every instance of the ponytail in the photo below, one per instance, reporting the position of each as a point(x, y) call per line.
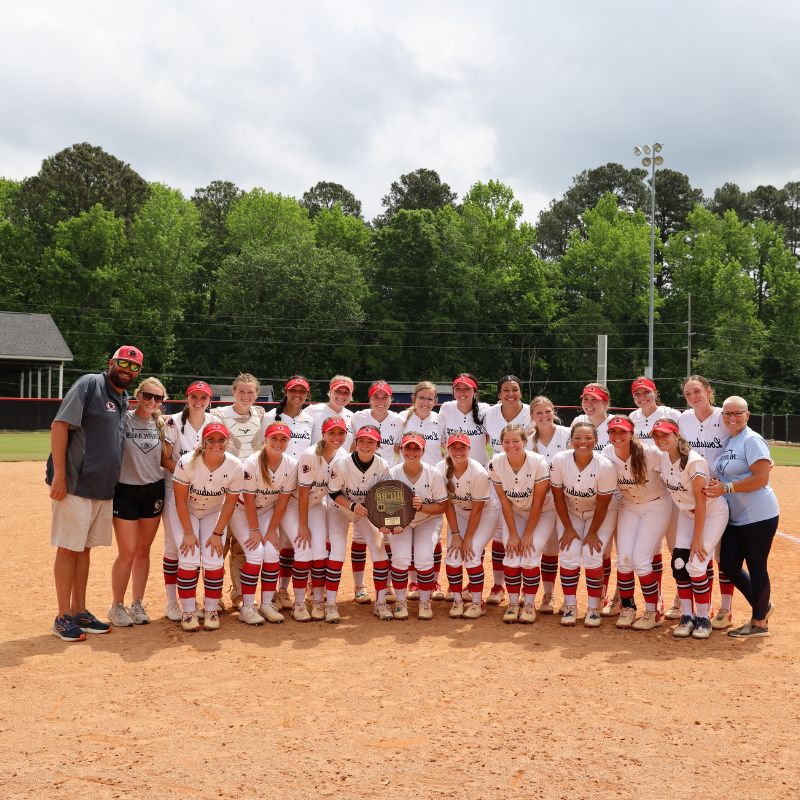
point(279, 410)
point(264, 466)
point(638, 462)
point(184, 417)
point(450, 486)
point(683, 450)
point(476, 416)
point(197, 451)
point(319, 450)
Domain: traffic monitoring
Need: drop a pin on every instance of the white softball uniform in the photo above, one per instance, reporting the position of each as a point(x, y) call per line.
point(709, 437)
point(451, 421)
point(390, 429)
point(300, 427)
point(602, 430)
point(245, 431)
point(319, 412)
point(642, 425)
point(494, 422)
point(429, 428)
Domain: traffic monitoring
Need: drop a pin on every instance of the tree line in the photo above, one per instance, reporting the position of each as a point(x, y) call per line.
point(229, 280)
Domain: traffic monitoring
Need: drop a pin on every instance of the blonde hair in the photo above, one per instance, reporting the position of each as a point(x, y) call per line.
point(319, 450)
point(422, 385)
point(537, 401)
point(601, 387)
point(348, 380)
point(264, 466)
point(638, 456)
point(246, 377)
point(449, 485)
point(703, 382)
point(157, 415)
point(736, 400)
point(514, 428)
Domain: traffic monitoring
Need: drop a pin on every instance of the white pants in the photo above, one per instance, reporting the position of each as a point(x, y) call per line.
point(482, 536)
point(338, 524)
point(202, 556)
point(424, 537)
point(712, 533)
point(240, 527)
point(640, 531)
point(576, 552)
point(318, 516)
point(287, 527)
point(171, 524)
point(541, 535)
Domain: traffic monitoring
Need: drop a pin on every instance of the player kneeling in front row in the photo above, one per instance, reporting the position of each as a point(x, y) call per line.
point(206, 486)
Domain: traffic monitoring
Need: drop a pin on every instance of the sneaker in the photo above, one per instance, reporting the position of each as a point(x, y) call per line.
point(300, 613)
point(512, 614)
point(722, 619)
point(448, 595)
point(548, 605)
point(475, 610)
point(648, 621)
point(173, 612)
point(390, 596)
point(437, 593)
point(66, 629)
point(569, 616)
point(425, 610)
point(271, 612)
point(612, 608)
point(627, 616)
point(89, 623)
point(317, 610)
point(528, 614)
point(250, 615)
point(362, 595)
point(189, 621)
point(332, 613)
point(702, 628)
point(211, 622)
point(770, 610)
point(675, 611)
point(457, 611)
point(282, 599)
point(592, 618)
point(401, 610)
point(383, 612)
point(684, 627)
point(749, 631)
point(563, 609)
point(118, 616)
point(138, 613)
point(496, 595)
point(413, 591)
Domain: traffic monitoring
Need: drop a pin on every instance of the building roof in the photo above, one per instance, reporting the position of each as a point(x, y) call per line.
point(31, 337)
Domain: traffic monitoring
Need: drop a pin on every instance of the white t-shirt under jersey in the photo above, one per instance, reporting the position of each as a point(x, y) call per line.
point(283, 480)
point(709, 437)
point(429, 428)
point(558, 444)
point(518, 486)
point(451, 421)
point(630, 491)
point(319, 412)
point(602, 431)
point(583, 487)
point(472, 486)
point(300, 426)
point(314, 472)
point(494, 422)
point(207, 489)
point(642, 425)
point(679, 483)
point(429, 488)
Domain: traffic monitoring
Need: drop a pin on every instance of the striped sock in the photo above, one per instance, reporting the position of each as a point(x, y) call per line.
point(454, 578)
point(710, 576)
point(686, 597)
point(318, 570)
point(498, 554)
point(549, 571)
point(269, 581)
point(530, 583)
point(594, 586)
point(187, 588)
point(702, 595)
point(358, 560)
point(286, 561)
point(300, 580)
point(725, 591)
point(333, 574)
point(606, 576)
point(249, 578)
point(626, 582)
point(476, 578)
point(650, 589)
point(212, 586)
point(380, 575)
point(569, 585)
point(170, 568)
point(658, 569)
point(513, 579)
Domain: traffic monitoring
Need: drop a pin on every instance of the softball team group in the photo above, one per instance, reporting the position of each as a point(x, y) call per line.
point(277, 493)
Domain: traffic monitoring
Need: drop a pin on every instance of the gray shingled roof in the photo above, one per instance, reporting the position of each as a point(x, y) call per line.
point(31, 336)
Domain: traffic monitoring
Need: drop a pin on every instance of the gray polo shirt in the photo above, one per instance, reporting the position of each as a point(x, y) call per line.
point(96, 416)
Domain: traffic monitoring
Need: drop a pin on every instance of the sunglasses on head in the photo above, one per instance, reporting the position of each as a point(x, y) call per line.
point(159, 398)
point(121, 362)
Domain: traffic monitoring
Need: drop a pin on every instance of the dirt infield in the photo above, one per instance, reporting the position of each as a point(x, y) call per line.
point(448, 708)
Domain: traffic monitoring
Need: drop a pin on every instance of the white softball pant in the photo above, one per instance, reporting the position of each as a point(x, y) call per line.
point(483, 535)
point(289, 524)
point(576, 552)
point(202, 556)
point(240, 527)
point(542, 533)
point(712, 533)
point(318, 517)
point(171, 523)
point(424, 537)
point(338, 523)
point(640, 531)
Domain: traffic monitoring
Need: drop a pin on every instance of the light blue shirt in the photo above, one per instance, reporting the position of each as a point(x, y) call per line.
point(740, 454)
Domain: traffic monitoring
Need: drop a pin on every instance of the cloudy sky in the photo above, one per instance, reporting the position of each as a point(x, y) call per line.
point(282, 95)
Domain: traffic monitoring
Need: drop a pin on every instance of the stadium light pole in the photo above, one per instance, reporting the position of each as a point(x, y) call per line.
point(655, 161)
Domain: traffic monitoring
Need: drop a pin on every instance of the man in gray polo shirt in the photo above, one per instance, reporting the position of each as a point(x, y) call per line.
point(82, 471)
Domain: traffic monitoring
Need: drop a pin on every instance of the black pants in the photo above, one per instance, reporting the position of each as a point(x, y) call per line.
point(750, 543)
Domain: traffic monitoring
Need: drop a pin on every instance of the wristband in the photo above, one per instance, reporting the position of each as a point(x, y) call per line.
point(730, 487)
point(214, 533)
point(454, 532)
point(352, 506)
point(256, 529)
point(190, 533)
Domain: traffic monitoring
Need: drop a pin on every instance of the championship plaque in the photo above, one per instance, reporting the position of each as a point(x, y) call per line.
point(389, 504)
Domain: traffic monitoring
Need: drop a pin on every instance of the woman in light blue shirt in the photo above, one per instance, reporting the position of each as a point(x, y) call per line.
point(743, 470)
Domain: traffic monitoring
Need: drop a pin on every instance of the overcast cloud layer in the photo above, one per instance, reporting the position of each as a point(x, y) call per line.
point(282, 95)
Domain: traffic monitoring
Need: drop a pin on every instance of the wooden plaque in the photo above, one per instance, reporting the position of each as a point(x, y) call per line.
point(389, 504)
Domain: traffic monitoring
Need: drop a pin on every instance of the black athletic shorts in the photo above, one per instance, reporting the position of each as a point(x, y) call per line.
point(138, 502)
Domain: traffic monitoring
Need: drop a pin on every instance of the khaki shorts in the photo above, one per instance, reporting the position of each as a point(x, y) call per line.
point(79, 523)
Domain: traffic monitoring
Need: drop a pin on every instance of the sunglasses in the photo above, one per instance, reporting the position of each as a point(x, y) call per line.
point(128, 365)
point(159, 398)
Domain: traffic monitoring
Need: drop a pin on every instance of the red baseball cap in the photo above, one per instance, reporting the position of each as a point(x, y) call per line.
point(199, 386)
point(665, 425)
point(413, 438)
point(336, 422)
point(277, 427)
point(337, 382)
point(368, 432)
point(380, 387)
point(297, 382)
point(643, 383)
point(129, 353)
point(593, 391)
point(215, 427)
point(459, 438)
point(466, 381)
point(620, 422)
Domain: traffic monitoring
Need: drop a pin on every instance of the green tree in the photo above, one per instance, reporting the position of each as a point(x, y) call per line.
point(729, 197)
point(267, 219)
point(19, 263)
point(791, 224)
point(421, 189)
point(334, 228)
point(327, 195)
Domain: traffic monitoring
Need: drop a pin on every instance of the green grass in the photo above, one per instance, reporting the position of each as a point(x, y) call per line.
point(786, 456)
point(24, 446)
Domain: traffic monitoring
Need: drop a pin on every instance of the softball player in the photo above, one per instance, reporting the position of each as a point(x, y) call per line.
point(701, 523)
point(183, 431)
point(422, 533)
point(644, 514)
point(350, 480)
point(583, 485)
point(206, 486)
point(318, 521)
point(270, 478)
point(340, 393)
point(472, 517)
point(547, 439)
point(520, 478)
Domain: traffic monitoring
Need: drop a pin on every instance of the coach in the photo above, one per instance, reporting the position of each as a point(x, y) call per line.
point(82, 471)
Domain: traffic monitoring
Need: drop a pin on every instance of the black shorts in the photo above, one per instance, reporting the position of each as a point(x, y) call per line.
point(138, 502)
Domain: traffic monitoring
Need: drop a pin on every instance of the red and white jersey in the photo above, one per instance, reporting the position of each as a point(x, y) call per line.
point(679, 483)
point(602, 431)
point(207, 489)
point(642, 425)
point(245, 431)
point(429, 487)
point(494, 422)
point(320, 412)
point(314, 472)
point(390, 429)
point(183, 441)
point(709, 437)
point(429, 428)
point(518, 486)
point(558, 444)
point(300, 426)
point(283, 480)
point(451, 421)
point(631, 492)
point(583, 487)
point(472, 486)
point(347, 478)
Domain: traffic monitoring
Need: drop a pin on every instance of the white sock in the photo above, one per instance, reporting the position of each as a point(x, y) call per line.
point(283, 583)
point(172, 592)
point(477, 597)
point(687, 609)
point(424, 595)
point(358, 578)
point(267, 597)
point(570, 600)
point(212, 604)
point(300, 594)
point(331, 598)
point(702, 609)
point(499, 577)
point(513, 598)
point(381, 598)
point(249, 599)
point(318, 590)
point(188, 604)
point(401, 595)
point(530, 598)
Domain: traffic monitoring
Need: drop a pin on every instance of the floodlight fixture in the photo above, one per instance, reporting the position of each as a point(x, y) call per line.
point(637, 150)
point(646, 162)
point(658, 161)
point(657, 147)
point(647, 149)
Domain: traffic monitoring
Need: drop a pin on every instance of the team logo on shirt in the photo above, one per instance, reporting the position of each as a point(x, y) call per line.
point(170, 422)
point(333, 474)
point(247, 476)
point(305, 468)
point(110, 406)
point(491, 468)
